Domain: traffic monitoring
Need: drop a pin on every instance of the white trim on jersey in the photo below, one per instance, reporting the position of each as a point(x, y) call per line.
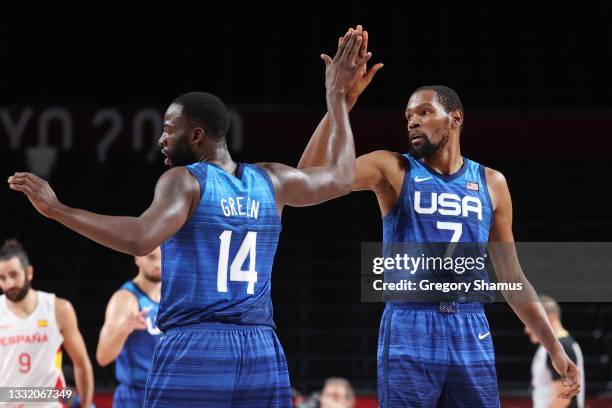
point(31, 347)
point(580, 363)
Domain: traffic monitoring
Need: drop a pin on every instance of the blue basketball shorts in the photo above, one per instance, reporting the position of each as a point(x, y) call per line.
point(436, 355)
point(219, 365)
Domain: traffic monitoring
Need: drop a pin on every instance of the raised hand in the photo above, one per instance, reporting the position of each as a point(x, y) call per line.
point(342, 71)
point(38, 191)
point(365, 75)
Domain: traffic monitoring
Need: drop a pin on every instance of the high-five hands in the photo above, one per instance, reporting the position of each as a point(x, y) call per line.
point(365, 75)
point(342, 71)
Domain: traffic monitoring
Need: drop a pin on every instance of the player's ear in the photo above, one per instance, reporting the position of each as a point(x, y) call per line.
point(30, 273)
point(197, 136)
point(457, 117)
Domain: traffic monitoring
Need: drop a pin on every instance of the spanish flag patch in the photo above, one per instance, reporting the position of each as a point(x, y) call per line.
point(42, 323)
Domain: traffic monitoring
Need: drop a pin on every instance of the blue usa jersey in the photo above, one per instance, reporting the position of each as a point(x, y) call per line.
point(136, 356)
point(442, 208)
point(436, 208)
point(217, 267)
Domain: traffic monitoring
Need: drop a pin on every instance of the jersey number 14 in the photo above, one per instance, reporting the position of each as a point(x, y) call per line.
point(236, 273)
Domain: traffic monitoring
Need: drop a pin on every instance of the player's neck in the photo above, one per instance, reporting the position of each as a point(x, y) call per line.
point(447, 161)
point(219, 155)
point(25, 306)
point(152, 289)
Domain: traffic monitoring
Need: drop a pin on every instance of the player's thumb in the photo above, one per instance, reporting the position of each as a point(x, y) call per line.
point(373, 70)
point(326, 58)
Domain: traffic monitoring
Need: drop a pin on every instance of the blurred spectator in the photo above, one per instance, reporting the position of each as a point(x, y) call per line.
point(337, 393)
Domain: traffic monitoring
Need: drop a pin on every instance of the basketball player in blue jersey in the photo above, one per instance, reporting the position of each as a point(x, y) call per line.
point(129, 334)
point(441, 354)
point(219, 223)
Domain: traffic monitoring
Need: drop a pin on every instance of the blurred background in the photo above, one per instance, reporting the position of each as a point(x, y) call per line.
point(83, 89)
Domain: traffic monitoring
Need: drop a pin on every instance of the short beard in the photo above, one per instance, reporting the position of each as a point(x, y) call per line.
point(181, 155)
point(151, 278)
point(427, 150)
point(23, 292)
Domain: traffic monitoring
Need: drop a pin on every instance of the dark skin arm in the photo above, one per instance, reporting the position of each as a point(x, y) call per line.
point(382, 172)
point(334, 175)
point(315, 152)
point(176, 193)
point(524, 303)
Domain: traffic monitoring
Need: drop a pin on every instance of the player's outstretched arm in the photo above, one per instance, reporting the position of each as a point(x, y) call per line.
point(315, 153)
point(313, 185)
point(75, 347)
point(525, 303)
point(176, 194)
point(121, 319)
point(373, 170)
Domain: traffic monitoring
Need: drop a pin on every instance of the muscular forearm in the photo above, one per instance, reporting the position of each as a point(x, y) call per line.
point(174, 195)
point(524, 302)
point(110, 344)
point(532, 314)
point(315, 153)
point(340, 147)
point(83, 376)
point(123, 234)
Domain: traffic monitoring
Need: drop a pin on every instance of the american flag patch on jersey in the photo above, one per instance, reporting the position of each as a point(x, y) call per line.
point(472, 186)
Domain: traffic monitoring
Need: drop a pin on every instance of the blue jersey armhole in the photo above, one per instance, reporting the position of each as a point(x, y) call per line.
point(405, 184)
point(266, 176)
point(129, 286)
point(133, 289)
point(199, 171)
point(486, 191)
point(142, 293)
